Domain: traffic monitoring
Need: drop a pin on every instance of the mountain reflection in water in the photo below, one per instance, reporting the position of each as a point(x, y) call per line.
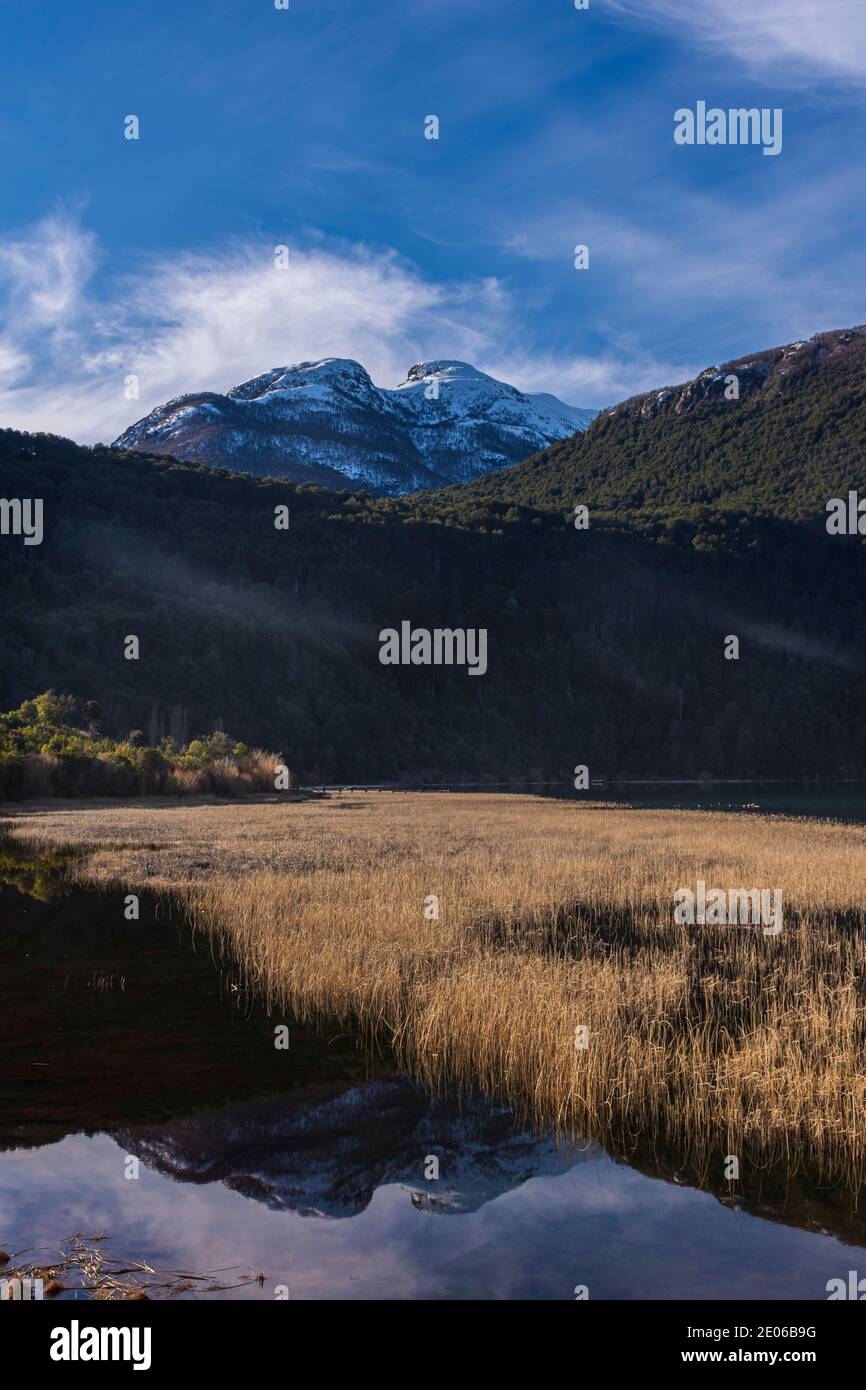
point(130, 1039)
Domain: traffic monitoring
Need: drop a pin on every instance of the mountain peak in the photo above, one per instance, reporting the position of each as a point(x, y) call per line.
point(757, 374)
point(774, 431)
point(439, 367)
point(331, 370)
point(325, 421)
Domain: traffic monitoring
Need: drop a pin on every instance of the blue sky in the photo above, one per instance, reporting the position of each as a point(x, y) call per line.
point(305, 127)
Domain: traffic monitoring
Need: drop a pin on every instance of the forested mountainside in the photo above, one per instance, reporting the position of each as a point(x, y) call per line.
point(793, 438)
point(605, 645)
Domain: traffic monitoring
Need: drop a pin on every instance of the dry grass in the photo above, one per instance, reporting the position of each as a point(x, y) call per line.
point(81, 1264)
point(43, 775)
point(718, 1040)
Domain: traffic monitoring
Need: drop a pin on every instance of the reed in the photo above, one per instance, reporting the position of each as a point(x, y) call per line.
point(551, 916)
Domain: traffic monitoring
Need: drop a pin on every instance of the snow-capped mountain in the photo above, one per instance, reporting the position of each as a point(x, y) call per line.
point(327, 422)
point(325, 1155)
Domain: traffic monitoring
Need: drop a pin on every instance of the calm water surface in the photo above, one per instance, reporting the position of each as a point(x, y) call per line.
point(129, 1039)
point(833, 801)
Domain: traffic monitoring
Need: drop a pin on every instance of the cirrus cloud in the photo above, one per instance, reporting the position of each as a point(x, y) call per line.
point(795, 40)
point(208, 320)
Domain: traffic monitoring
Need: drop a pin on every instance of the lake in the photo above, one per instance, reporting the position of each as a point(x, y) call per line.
point(310, 1166)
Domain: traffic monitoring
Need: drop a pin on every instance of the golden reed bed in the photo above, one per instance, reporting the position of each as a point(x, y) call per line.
point(553, 916)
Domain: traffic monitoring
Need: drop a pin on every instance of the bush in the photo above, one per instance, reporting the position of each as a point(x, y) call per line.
point(45, 752)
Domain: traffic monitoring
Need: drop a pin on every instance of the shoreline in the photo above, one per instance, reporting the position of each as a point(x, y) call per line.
point(481, 935)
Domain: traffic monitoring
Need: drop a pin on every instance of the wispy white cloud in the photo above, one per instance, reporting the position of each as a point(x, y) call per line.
point(211, 319)
point(205, 321)
point(42, 280)
point(750, 266)
point(612, 375)
point(45, 274)
point(794, 40)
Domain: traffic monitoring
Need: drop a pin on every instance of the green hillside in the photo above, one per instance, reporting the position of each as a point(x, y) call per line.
point(793, 439)
point(605, 646)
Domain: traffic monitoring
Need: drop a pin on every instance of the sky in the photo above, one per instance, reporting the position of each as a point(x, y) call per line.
point(305, 127)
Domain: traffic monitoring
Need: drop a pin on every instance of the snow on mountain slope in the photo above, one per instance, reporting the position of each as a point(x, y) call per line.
point(325, 1156)
point(327, 422)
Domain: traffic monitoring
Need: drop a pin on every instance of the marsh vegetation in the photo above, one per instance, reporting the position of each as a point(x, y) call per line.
point(479, 933)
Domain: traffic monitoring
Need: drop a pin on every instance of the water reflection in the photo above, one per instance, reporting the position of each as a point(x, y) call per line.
point(127, 1038)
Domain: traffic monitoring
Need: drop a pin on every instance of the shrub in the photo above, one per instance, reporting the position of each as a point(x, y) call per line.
point(44, 752)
